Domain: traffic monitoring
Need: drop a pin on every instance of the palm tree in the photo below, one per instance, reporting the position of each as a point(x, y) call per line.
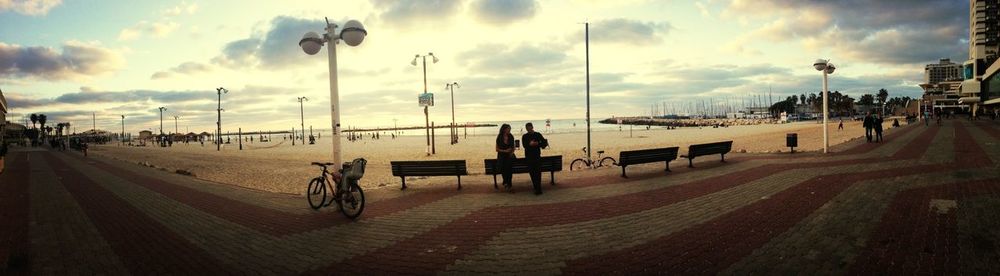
point(41, 120)
point(34, 119)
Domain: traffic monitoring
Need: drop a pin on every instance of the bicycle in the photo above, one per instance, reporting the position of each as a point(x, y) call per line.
point(348, 195)
point(580, 163)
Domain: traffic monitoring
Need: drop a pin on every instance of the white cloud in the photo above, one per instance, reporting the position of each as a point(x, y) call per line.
point(29, 7)
point(152, 29)
point(181, 8)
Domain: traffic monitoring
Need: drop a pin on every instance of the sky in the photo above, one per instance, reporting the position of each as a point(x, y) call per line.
point(513, 59)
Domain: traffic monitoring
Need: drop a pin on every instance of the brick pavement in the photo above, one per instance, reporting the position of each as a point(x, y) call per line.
point(921, 203)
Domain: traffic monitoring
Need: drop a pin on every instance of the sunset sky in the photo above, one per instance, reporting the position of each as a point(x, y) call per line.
point(514, 59)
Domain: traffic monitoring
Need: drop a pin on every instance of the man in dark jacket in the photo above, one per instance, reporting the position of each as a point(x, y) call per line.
point(533, 145)
point(868, 123)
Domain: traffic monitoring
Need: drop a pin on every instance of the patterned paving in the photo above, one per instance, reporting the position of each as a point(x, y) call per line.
point(925, 202)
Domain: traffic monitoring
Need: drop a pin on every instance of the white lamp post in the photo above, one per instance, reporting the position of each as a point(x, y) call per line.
point(427, 120)
point(827, 68)
point(353, 33)
point(454, 129)
point(302, 119)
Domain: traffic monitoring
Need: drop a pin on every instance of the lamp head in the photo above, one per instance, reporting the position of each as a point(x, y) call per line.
point(414, 62)
point(820, 64)
point(311, 43)
point(830, 68)
point(435, 58)
point(353, 33)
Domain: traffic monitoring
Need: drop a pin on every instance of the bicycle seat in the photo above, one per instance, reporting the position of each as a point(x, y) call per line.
point(322, 164)
point(600, 152)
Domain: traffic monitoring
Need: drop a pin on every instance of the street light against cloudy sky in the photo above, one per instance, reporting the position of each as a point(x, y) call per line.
point(827, 68)
point(353, 34)
point(427, 120)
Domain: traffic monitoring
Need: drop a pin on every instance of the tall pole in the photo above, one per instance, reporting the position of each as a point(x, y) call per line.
point(427, 119)
point(123, 130)
point(302, 119)
point(586, 37)
point(218, 122)
point(94, 114)
point(331, 48)
point(175, 123)
point(826, 115)
point(161, 121)
point(454, 133)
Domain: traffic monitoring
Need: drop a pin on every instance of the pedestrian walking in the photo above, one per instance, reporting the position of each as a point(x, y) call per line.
point(841, 125)
point(505, 155)
point(869, 124)
point(534, 142)
point(878, 128)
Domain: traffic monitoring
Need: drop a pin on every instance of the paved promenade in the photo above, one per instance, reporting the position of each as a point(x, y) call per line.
point(925, 202)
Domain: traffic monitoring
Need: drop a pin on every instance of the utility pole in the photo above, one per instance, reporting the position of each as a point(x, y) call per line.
point(161, 121)
point(302, 119)
point(586, 38)
point(218, 123)
point(454, 132)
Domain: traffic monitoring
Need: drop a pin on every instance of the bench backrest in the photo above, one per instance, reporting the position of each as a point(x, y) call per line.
point(710, 148)
point(647, 155)
point(520, 165)
point(429, 168)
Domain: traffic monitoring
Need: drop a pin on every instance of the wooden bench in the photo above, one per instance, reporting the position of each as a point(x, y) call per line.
point(551, 164)
point(633, 157)
point(402, 169)
point(708, 149)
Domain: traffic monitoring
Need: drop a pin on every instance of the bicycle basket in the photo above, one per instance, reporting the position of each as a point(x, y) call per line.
point(357, 169)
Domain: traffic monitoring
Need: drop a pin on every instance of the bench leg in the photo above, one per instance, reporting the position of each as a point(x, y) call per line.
point(623, 172)
point(668, 166)
point(552, 178)
point(459, 182)
point(404, 182)
point(723, 158)
point(495, 183)
point(690, 162)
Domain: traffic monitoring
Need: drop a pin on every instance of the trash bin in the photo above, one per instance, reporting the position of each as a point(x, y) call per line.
point(792, 141)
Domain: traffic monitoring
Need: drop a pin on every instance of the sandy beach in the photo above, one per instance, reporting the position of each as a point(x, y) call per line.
point(280, 167)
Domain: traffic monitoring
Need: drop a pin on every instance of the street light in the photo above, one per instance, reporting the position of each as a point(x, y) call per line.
point(218, 123)
point(302, 119)
point(353, 34)
point(175, 123)
point(161, 121)
point(454, 130)
point(123, 130)
point(827, 68)
point(427, 120)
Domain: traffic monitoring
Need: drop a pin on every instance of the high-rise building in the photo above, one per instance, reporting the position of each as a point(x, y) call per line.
point(984, 43)
point(944, 70)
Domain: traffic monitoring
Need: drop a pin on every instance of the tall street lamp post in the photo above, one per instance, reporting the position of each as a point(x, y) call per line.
point(353, 33)
point(161, 121)
point(302, 119)
point(827, 68)
point(427, 120)
point(454, 130)
point(175, 123)
point(586, 37)
point(218, 122)
point(123, 130)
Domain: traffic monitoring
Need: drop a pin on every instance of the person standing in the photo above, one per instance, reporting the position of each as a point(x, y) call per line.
point(505, 155)
point(878, 128)
point(534, 142)
point(868, 123)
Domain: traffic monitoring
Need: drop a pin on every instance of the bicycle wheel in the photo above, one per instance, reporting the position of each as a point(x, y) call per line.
point(607, 162)
point(578, 164)
point(352, 201)
point(316, 194)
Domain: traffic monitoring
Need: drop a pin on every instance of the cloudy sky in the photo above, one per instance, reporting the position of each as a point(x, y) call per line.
point(513, 59)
